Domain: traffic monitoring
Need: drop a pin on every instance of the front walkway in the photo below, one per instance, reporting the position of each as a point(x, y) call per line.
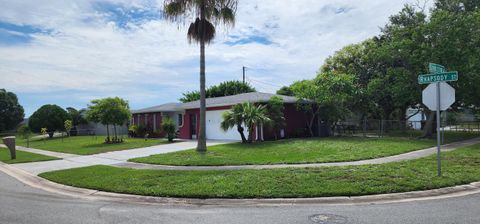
point(108, 158)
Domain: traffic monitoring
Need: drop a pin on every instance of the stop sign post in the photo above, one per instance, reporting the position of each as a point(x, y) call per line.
point(438, 96)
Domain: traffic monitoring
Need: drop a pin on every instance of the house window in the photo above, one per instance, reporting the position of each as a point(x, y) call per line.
point(180, 120)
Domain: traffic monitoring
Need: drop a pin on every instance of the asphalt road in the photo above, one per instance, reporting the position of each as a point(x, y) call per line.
point(23, 204)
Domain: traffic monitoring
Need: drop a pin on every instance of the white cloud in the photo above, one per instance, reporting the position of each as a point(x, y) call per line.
point(152, 62)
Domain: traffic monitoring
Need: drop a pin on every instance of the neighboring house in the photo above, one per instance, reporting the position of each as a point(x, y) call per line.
point(415, 121)
point(186, 116)
point(416, 117)
point(92, 128)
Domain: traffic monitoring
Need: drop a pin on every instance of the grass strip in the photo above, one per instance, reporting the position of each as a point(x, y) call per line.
point(88, 145)
point(23, 157)
point(459, 167)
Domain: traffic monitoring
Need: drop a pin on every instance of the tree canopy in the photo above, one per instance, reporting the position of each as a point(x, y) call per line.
point(227, 88)
point(76, 116)
point(11, 112)
point(51, 117)
point(327, 96)
point(285, 90)
point(386, 67)
point(109, 111)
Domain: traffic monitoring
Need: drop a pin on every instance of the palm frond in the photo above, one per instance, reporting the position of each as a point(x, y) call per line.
point(201, 30)
point(229, 120)
point(215, 11)
point(228, 16)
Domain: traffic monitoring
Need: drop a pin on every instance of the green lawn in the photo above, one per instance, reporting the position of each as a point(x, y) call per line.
point(459, 167)
point(23, 157)
point(295, 151)
point(314, 150)
point(87, 145)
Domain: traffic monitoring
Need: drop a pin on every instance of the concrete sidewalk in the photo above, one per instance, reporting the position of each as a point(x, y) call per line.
point(396, 158)
point(108, 158)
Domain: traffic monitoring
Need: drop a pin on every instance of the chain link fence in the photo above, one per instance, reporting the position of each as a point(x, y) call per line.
point(380, 128)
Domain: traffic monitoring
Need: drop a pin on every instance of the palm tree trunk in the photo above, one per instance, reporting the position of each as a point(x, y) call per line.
point(202, 141)
point(240, 130)
point(250, 134)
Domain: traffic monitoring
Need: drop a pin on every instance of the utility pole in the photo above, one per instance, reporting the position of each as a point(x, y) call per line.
point(244, 68)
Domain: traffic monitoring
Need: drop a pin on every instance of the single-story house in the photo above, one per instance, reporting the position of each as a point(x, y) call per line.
point(186, 116)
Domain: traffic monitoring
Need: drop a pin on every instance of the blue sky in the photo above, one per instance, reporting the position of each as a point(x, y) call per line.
point(70, 52)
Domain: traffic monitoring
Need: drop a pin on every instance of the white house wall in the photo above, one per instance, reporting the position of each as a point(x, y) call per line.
point(213, 130)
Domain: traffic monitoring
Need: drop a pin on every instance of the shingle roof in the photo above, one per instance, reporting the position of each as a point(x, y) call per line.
point(253, 97)
point(168, 107)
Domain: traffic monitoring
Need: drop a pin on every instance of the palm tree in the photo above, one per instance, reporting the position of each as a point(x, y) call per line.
point(254, 116)
point(248, 114)
point(202, 31)
point(232, 118)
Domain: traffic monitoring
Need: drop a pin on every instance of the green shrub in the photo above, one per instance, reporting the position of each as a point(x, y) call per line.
point(137, 131)
point(168, 125)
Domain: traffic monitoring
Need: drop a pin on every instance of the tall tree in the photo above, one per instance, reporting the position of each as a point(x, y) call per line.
point(48, 116)
point(11, 112)
point(227, 88)
point(324, 97)
point(356, 60)
point(109, 111)
point(202, 31)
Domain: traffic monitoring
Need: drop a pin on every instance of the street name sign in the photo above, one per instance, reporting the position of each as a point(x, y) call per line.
point(436, 68)
point(438, 77)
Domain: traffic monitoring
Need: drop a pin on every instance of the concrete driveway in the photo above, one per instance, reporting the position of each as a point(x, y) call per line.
point(109, 158)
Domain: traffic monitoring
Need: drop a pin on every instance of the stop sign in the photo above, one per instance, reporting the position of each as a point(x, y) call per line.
point(447, 96)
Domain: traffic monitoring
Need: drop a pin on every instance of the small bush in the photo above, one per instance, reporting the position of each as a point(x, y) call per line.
point(168, 125)
point(137, 131)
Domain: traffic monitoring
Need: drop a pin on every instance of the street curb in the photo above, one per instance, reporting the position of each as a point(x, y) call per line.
point(87, 194)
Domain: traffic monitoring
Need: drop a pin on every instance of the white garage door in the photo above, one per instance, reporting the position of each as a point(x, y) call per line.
point(214, 118)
